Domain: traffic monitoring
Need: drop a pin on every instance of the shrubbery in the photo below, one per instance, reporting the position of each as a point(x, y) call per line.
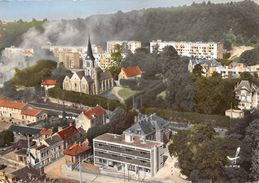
point(6, 137)
point(88, 100)
point(190, 117)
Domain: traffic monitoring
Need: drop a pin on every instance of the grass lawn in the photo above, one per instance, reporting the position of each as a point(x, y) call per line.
point(126, 93)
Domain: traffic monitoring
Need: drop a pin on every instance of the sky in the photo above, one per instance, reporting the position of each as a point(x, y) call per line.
point(11, 10)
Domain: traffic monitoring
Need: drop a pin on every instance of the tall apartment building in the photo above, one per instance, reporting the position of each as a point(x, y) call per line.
point(126, 45)
point(71, 60)
point(128, 153)
point(12, 51)
point(206, 50)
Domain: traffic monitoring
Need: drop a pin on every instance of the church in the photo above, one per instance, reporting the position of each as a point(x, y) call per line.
point(91, 80)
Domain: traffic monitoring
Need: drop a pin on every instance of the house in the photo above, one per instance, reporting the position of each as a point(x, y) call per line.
point(199, 50)
point(45, 151)
point(91, 80)
point(20, 113)
point(150, 127)
point(69, 135)
point(94, 116)
point(48, 84)
point(130, 73)
point(247, 94)
point(129, 154)
point(76, 153)
point(28, 174)
point(209, 66)
point(30, 116)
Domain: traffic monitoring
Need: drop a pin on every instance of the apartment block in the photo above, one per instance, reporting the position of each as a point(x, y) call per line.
point(128, 153)
point(12, 51)
point(71, 60)
point(126, 45)
point(205, 50)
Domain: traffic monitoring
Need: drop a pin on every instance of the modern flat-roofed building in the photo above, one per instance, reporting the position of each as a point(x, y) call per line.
point(205, 50)
point(126, 45)
point(128, 153)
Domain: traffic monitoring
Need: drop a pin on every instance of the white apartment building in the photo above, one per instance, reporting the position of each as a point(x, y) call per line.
point(12, 52)
point(128, 153)
point(126, 45)
point(204, 50)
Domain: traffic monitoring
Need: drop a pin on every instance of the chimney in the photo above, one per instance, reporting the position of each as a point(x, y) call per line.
point(60, 128)
point(129, 137)
point(71, 124)
point(142, 140)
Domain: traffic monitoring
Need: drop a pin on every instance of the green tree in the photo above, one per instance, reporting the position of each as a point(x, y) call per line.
point(198, 70)
point(117, 58)
point(6, 137)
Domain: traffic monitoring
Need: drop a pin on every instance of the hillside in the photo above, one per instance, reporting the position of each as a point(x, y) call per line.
point(231, 22)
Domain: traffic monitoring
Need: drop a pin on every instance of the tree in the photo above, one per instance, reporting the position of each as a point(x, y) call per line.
point(179, 82)
point(250, 57)
point(201, 154)
point(117, 58)
point(6, 137)
point(198, 70)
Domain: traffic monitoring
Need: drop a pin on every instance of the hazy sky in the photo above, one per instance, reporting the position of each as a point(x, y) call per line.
point(68, 9)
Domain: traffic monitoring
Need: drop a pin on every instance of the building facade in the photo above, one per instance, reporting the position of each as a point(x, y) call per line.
point(200, 50)
point(128, 153)
point(92, 80)
point(126, 45)
point(247, 94)
point(92, 117)
point(20, 113)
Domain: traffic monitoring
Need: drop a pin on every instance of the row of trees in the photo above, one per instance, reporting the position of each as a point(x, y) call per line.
point(6, 138)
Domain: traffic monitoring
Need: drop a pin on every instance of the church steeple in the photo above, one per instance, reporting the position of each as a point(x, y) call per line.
point(90, 51)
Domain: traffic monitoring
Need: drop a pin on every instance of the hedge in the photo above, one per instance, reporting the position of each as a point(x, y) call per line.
point(81, 98)
point(190, 117)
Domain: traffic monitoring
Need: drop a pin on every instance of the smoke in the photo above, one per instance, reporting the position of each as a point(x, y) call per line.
point(100, 28)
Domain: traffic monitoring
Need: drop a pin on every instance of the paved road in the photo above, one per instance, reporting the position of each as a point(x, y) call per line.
point(56, 108)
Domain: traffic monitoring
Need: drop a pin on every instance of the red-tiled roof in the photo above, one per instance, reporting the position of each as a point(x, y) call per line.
point(76, 149)
point(131, 71)
point(47, 132)
point(11, 104)
point(49, 82)
point(31, 112)
point(94, 112)
point(68, 133)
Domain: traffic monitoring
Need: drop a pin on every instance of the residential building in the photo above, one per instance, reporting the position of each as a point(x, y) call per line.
point(235, 113)
point(105, 61)
point(69, 135)
point(126, 45)
point(209, 66)
point(95, 116)
point(12, 52)
point(92, 80)
point(150, 127)
point(20, 113)
point(45, 151)
point(247, 94)
point(200, 50)
point(71, 60)
point(128, 153)
point(130, 73)
point(76, 153)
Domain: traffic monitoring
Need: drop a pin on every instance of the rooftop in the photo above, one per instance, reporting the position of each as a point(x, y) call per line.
point(28, 174)
point(31, 112)
point(76, 149)
point(147, 124)
point(68, 133)
point(12, 104)
point(94, 112)
point(49, 82)
point(131, 71)
point(25, 130)
point(120, 140)
point(53, 139)
point(47, 132)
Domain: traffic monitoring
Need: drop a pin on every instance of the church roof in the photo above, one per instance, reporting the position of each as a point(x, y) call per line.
point(80, 74)
point(90, 51)
point(105, 75)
